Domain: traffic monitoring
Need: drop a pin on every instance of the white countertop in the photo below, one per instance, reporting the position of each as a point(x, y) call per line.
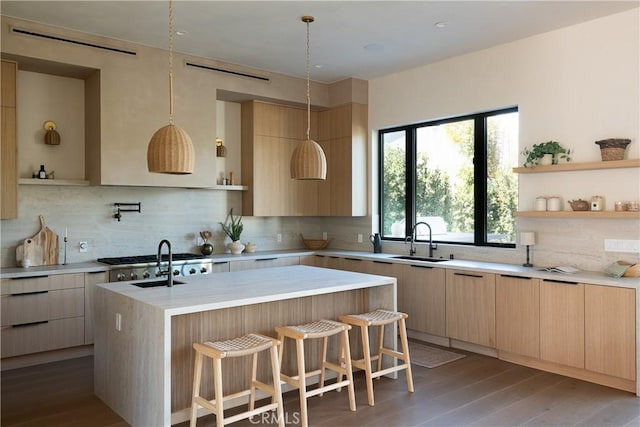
point(233, 289)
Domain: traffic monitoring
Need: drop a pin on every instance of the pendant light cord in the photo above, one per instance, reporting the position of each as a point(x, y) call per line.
point(170, 62)
point(308, 21)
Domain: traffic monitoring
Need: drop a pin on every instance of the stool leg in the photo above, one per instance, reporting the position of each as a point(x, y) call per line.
point(277, 388)
point(323, 361)
point(302, 382)
point(343, 363)
point(405, 350)
point(346, 351)
point(254, 375)
point(197, 376)
point(217, 391)
point(380, 346)
point(367, 363)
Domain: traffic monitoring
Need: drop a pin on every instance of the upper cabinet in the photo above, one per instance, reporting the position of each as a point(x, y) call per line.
point(8, 151)
point(343, 137)
point(270, 133)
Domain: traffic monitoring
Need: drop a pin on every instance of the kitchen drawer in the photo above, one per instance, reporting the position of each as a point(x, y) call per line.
point(42, 336)
point(26, 307)
point(41, 283)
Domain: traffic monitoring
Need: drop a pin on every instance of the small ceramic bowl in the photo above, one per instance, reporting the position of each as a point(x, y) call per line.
point(249, 247)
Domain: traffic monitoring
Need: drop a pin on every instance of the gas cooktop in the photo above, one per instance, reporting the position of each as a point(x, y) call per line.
point(147, 259)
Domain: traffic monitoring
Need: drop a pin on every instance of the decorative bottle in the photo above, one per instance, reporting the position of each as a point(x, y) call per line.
point(42, 174)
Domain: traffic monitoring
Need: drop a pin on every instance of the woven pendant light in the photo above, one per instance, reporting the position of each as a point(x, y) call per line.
point(170, 149)
point(308, 160)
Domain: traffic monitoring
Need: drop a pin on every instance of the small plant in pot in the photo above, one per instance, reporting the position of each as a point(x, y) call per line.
point(233, 228)
point(553, 149)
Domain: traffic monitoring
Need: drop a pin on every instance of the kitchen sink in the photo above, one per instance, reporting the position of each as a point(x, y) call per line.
point(156, 283)
point(418, 258)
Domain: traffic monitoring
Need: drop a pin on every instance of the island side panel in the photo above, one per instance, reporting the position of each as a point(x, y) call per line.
point(130, 364)
point(261, 318)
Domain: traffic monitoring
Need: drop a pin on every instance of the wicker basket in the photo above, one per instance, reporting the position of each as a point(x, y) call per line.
point(314, 244)
point(613, 148)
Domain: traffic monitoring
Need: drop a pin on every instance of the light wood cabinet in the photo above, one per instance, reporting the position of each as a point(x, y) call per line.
point(518, 315)
point(8, 143)
point(90, 281)
point(421, 294)
point(269, 135)
point(610, 334)
point(562, 322)
point(42, 313)
point(470, 305)
point(343, 137)
point(251, 264)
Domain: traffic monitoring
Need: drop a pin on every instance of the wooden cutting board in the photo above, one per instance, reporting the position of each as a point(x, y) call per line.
point(41, 249)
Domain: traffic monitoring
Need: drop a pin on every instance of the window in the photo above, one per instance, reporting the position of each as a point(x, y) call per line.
point(454, 174)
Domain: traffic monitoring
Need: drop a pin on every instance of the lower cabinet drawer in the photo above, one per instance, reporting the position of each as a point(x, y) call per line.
point(42, 336)
point(29, 307)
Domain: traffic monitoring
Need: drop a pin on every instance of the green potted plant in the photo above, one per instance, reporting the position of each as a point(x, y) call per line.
point(537, 152)
point(233, 228)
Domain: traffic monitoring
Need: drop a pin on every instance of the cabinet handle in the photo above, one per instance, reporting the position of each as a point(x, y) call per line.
point(383, 262)
point(469, 275)
point(29, 277)
point(559, 281)
point(266, 259)
point(422, 266)
point(352, 259)
point(28, 293)
point(96, 272)
point(516, 277)
point(319, 256)
point(220, 262)
point(20, 325)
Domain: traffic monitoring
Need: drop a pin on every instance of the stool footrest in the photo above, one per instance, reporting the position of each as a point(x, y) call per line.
point(391, 353)
point(326, 388)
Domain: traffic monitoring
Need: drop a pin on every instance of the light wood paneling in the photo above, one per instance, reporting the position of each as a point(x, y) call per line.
point(8, 143)
point(471, 307)
point(518, 315)
point(90, 282)
point(562, 323)
point(48, 305)
point(51, 335)
point(421, 294)
point(610, 331)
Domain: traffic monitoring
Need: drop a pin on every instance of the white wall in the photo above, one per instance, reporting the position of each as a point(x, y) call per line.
point(575, 85)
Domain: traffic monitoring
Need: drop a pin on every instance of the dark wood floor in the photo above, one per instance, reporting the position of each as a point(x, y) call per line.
point(476, 391)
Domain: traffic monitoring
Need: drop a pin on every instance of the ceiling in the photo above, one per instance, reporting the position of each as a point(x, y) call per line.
point(362, 39)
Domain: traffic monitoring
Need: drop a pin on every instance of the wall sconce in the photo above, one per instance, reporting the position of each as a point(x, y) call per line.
point(51, 137)
point(221, 150)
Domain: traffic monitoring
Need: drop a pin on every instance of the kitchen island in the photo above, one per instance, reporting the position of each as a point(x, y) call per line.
point(143, 358)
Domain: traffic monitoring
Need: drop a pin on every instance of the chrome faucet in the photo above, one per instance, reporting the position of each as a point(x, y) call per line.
point(412, 239)
point(169, 271)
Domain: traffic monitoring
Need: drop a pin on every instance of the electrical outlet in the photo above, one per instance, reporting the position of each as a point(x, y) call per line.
point(279, 238)
point(83, 246)
point(324, 235)
point(118, 322)
point(359, 238)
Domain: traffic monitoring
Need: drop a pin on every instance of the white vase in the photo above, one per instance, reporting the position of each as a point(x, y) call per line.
point(546, 160)
point(236, 247)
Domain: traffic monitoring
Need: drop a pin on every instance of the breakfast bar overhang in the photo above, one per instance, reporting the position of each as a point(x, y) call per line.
point(143, 359)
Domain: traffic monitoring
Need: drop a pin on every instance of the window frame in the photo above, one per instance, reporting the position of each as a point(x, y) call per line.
point(479, 175)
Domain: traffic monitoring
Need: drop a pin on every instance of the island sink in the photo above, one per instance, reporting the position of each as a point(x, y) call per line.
point(156, 283)
point(418, 258)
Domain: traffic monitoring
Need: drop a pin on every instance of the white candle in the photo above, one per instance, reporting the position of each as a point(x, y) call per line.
point(65, 232)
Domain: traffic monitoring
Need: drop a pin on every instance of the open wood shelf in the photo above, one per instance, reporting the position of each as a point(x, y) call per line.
point(578, 214)
point(35, 181)
point(567, 167)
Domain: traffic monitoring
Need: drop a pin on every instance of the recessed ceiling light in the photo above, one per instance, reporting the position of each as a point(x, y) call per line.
point(374, 47)
point(441, 24)
point(181, 33)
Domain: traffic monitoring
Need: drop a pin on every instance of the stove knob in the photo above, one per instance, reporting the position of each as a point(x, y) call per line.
point(134, 276)
point(176, 272)
point(145, 275)
point(203, 270)
point(121, 277)
point(192, 271)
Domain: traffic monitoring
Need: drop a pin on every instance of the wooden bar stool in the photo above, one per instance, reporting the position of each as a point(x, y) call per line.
point(380, 318)
point(250, 344)
point(320, 329)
